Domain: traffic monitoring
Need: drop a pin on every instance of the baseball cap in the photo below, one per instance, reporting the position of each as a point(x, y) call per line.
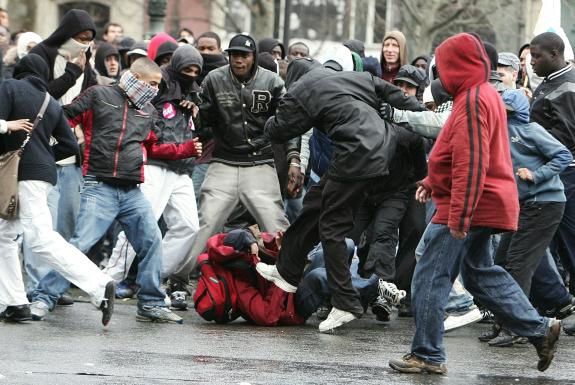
point(508, 59)
point(140, 48)
point(412, 75)
point(242, 42)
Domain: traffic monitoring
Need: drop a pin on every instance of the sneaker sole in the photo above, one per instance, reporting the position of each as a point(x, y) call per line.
point(279, 283)
point(464, 322)
point(339, 324)
point(107, 307)
point(141, 318)
point(180, 308)
point(412, 370)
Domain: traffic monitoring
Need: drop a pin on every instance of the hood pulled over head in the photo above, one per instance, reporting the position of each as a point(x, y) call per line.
point(462, 63)
point(517, 105)
point(32, 65)
point(299, 67)
point(73, 22)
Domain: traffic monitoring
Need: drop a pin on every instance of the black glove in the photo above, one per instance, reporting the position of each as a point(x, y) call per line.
point(386, 111)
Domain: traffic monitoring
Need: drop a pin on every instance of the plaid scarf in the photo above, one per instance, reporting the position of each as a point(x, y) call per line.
point(139, 92)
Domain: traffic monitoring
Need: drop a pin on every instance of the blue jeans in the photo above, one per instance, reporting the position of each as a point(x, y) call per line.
point(64, 204)
point(101, 203)
point(313, 290)
point(443, 258)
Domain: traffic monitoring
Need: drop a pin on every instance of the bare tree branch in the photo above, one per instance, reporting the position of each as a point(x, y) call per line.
point(412, 12)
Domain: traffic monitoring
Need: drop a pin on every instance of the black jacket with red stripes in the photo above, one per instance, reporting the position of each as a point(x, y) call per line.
point(118, 136)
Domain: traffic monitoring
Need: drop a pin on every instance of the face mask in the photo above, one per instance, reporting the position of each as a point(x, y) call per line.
point(139, 92)
point(72, 48)
point(185, 81)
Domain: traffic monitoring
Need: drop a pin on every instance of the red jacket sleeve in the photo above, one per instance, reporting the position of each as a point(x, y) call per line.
point(171, 151)
point(469, 143)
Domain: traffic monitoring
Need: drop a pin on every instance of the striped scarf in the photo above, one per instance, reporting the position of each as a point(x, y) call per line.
point(139, 92)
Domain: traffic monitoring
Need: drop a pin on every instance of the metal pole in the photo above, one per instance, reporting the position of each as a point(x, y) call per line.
point(287, 14)
point(157, 13)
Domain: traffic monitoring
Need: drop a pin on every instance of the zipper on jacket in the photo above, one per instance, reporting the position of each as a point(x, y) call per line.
point(117, 155)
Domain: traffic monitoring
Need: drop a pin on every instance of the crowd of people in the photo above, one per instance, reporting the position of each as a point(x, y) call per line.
point(333, 186)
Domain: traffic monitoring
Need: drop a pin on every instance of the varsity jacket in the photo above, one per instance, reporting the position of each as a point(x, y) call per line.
point(236, 112)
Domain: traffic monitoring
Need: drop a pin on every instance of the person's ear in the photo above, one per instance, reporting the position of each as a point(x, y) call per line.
point(137, 75)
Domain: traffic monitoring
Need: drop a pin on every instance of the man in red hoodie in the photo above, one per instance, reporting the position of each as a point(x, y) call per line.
point(472, 185)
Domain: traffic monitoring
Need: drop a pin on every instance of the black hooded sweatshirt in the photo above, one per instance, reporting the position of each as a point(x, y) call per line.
point(105, 50)
point(73, 22)
point(267, 44)
point(22, 98)
point(173, 124)
point(344, 106)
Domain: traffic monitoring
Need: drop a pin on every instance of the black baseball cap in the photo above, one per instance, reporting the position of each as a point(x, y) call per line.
point(242, 42)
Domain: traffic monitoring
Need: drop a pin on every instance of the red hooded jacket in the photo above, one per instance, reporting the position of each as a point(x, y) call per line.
point(470, 170)
point(255, 298)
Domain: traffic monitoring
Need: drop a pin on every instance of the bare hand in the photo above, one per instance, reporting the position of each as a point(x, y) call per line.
point(19, 125)
point(458, 234)
point(80, 60)
point(528, 92)
point(198, 146)
point(295, 181)
point(422, 195)
point(189, 105)
point(525, 174)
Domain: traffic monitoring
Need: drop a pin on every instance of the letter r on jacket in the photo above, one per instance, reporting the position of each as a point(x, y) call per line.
point(260, 101)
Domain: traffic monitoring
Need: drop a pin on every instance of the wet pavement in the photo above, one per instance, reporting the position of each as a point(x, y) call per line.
point(71, 347)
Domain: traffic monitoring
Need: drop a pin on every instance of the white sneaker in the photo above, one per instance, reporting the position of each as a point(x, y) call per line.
point(456, 321)
point(39, 310)
point(335, 319)
point(270, 273)
point(390, 292)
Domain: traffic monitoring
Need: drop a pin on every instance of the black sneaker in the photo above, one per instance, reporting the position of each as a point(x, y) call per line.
point(18, 313)
point(547, 345)
point(178, 300)
point(322, 312)
point(488, 317)
point(107, 304)
point(65, 300)
point(506, 339)
point(404, 310)
point(382, 309)
point(491, 334)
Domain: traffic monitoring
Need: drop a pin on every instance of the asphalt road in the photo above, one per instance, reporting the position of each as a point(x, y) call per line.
point(71, 347)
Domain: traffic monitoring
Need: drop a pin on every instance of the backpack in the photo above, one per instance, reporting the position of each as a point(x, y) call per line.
point(215, 299)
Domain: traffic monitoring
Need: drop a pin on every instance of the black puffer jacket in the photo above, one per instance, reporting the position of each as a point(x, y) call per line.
point(343, 105)
point(22, 99)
